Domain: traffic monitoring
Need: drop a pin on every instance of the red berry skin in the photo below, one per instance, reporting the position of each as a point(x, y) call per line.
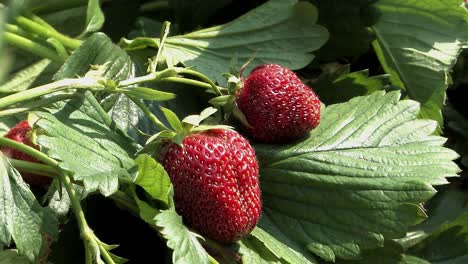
point(216, 188)
point(277, 105)
point(20, 133)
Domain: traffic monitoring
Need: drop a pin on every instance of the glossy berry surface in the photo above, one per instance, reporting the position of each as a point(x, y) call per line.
point(215, 178)
point(20, 133)
point(277, 105)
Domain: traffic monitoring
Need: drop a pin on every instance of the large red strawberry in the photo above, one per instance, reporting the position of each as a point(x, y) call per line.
point(215, 178)
point(277, 105)
point(20, 133)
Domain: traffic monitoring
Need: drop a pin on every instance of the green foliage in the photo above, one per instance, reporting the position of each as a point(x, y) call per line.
point(37, 74)
point(22, 218)
point(338, 85)
point(153, 178)
point(94, 16)
point(261, 247)
point(98, 49)
point(363, 187)
point(448, 244)
point(12, 257)
point(192, 14)
point(187, 248)
point(370, 162)
point(286, 37)
point(420, 57)
point(76, 137)
point(348, 21)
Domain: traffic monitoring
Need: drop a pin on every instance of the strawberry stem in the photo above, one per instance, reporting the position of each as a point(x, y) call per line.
point(47, 32)
point(36, 168)
point(31, 46)
point(37, 104)
point(204, 78)
point(82, 83)
point(164, 33)
point(160, 125)
point(190, 82)
point(30, 151)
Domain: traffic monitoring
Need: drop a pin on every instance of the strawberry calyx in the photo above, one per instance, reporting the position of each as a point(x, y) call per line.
point(179, 130)
point(227, 102)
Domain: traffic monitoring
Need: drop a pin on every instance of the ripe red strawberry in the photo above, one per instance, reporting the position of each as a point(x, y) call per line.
point(277, 105)
point(215, 178)
point(20, 133)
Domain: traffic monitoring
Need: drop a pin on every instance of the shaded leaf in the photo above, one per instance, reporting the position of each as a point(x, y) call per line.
point(339, 85)
point(348, 22)
point(37, 74)
point(448, 244)
point(420, 57)
point(21, 216)
point(192, 14)
point(12, 257)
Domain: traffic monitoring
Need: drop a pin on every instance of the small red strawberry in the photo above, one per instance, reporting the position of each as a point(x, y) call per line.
point(20, 133)
point(215, 178)
point(277, 105)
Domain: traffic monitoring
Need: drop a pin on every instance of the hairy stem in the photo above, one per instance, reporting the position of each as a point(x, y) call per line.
point(37, 104)
point(164, 33)
point(30, 151)
point(36, 168)
point(190, 82)
point(160, 125)
point(204, 78)
point(85, 83)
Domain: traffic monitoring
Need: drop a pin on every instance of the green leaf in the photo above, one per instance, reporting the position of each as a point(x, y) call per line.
point(37, 74)
point(153, 178)
point(267, 249)
point(280, 31)
point(83, 139)
point(448, 244)
point(348, 22)
point(357, 179)
point(172, 118)
point(458, 124)
point(338, 85)
point(446, 206)
point(94, 16)
point(12, 257)
point(192, 14)
point(148, 94)
point(98, 49)
point(420, 57)
point(126, 114)
point(184, 243)
point(65, 16)
point(21, 216)
point(253, 251)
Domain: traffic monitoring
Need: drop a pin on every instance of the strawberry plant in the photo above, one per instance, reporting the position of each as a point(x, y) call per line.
point(270, 131)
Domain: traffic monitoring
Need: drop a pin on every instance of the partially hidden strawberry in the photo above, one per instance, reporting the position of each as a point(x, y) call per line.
point(20, 133)
point(277, 105)
point(215, 179)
